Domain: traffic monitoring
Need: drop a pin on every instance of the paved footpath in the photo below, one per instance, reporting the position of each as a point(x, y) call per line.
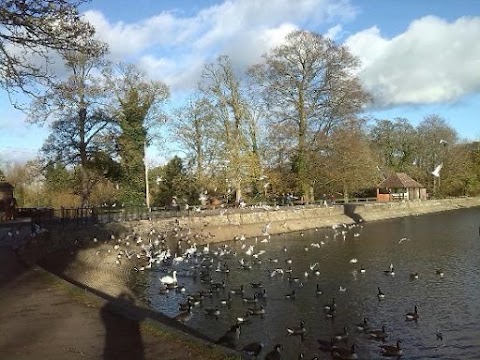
point(45, 317)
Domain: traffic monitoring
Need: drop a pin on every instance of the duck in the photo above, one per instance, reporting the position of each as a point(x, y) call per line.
point(412, 316)
point(380, 294)
point(378, 334)
point(257, 310)
point(275, 354)
point(439, 272)
point(343, 336)
point(392, 350)
point(253, 349)
point(344, 353)
point(362, 270)
point(363, 326)
point(414, 276)
point(301, 330)
point(318, 290)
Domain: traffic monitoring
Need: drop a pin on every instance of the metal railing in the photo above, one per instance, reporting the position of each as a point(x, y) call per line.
point(101, 215)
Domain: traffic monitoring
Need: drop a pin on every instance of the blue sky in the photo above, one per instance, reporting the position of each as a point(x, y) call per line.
point(418, 57)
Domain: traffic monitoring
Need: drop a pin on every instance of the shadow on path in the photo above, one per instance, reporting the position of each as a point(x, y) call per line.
point(123, 339)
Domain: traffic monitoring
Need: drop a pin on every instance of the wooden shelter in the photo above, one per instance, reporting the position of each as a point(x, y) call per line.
point(400, 186)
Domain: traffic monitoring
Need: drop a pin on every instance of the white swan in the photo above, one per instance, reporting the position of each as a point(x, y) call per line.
point(167, 279)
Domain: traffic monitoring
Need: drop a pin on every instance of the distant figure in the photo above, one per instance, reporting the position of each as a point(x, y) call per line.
point(174, 203)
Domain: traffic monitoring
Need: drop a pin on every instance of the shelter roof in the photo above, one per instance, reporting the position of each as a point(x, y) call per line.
point(399, 180)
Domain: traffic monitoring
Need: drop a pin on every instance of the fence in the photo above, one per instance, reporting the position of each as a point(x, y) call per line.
point(101, 215)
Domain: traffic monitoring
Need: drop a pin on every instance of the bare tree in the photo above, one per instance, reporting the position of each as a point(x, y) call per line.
point(222, 88)
point(191, 128)
point(79, 122)
point(308, 84)
point(31, 30)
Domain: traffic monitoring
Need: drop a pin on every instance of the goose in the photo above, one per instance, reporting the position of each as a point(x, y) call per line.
point(261, 295)
point(256, 284)
point(390, 271)
point(250, 300)
point(330, 306)
point(414, 276)
point(243, 319)
point(257, 311)
point(344, 354)
point(275, 354)
point(318, 290)
point(252, 350)
point(378, 334)
point(362, 270)
point(185, 306)
point(363, 326)
point(291, 295)
point(301, 330)
point(343, 336)
point(380, 294)
point(184, 316)
point(237, 291)
point(390, 350)
point(227, 301)
point(230, 336)
point(412, 315)
point(325, 345)
point(439, 272)
point(212, 311)
point(167, 279)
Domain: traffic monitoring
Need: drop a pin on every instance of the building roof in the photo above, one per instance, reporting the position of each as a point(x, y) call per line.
point(399, 180)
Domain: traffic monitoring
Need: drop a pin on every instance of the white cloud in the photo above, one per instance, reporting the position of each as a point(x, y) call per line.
point(432, 61)
point(175, 48)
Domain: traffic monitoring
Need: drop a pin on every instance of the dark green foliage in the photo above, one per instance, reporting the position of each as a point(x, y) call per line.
point(172, 180)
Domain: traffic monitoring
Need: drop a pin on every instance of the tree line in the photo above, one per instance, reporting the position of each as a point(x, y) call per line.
point(295, 123)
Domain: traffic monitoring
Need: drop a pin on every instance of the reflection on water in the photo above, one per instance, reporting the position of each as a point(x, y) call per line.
point(448, 306)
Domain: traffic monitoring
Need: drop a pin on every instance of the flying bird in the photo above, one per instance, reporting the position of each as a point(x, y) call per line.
point(436, 172)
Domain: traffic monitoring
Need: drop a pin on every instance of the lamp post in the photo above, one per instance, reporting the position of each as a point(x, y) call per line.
point(147, 188)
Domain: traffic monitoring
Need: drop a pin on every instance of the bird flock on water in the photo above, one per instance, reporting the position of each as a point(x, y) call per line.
point(179, 253)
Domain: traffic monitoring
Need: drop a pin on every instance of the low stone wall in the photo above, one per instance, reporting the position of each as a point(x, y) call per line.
point(72, 251)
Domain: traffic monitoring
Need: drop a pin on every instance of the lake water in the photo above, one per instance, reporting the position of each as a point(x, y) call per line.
point(448, 305)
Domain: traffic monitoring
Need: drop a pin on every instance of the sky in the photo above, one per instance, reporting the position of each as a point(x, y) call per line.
point(419, 57)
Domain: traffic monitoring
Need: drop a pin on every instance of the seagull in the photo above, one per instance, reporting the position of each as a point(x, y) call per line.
point(443, 142)
point(436, 172)
point(353, 261)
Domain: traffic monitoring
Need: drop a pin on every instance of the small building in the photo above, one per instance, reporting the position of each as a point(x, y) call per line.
point(400, 186)
point(7, 201)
